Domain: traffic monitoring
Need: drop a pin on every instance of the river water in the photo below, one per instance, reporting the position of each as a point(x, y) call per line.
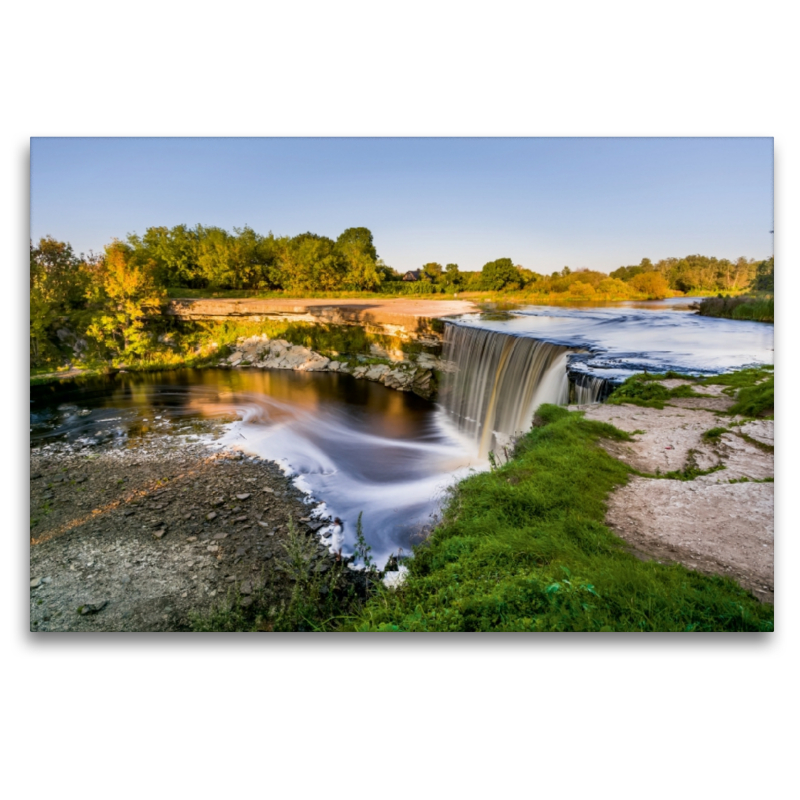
point(361, 447)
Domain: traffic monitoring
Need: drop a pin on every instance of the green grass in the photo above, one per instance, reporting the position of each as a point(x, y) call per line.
point(524, 548)
point(753, 388)
point(755, 309)
point(645, 390)
point(713, 434)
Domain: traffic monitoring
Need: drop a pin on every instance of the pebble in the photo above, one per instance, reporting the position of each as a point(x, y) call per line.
point(218, 501)
point(212, 516)
point(92, 608)
point(128, 512)
point(159, 533)
point(191, 538)
point(243, 496)
point(36, 583)
point(212, 548)
point(220, 536)
point(267, 489)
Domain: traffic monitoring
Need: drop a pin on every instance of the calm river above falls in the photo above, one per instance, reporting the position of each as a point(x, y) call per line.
point(359, 446)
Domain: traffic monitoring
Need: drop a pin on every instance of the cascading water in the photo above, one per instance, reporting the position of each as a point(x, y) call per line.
point(588, 389)
point(495, 382)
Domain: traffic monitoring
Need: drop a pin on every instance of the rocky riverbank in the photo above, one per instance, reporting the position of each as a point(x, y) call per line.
point(415, 374)
point(154, 536)
point(716, 513)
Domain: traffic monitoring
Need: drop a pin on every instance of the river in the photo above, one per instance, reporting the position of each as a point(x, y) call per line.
point(359, 447)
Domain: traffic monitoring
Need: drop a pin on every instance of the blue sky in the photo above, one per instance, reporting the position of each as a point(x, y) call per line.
point(545, 203)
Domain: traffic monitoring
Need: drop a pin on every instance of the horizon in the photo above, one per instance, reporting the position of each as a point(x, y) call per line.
point(447, 200)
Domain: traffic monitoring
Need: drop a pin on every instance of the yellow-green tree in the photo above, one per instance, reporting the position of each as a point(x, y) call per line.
point(125, 297)
point(652, 284)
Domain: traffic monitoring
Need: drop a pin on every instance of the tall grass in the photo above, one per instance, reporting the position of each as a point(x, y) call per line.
point(757, 309)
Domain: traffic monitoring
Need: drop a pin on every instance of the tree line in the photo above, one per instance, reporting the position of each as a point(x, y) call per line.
point(109, 301)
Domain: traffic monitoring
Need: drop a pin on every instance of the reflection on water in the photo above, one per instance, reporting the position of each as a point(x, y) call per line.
point(354, 444)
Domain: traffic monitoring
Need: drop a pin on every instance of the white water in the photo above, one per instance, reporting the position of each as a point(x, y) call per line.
point(496, 382)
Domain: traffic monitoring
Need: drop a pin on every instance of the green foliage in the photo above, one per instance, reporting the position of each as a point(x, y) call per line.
point(524, 547)
point(500, 274)
point(58, 283)
point(756, 309)
point(764, 280)
point(755, 401)
point(640, 390)
point(644, 389)
point(124, 296)
point(713, 434)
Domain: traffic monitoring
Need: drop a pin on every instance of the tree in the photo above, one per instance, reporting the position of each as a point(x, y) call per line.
point(452, 278)
point(432, 272)
point(498, 274)
point(361, 238)
point(652, 284)
point(764, 280)
point(57, 288)
point(124, 298)
point(355, 246)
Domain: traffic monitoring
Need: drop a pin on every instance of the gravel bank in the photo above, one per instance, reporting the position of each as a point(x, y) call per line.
point(141, 538)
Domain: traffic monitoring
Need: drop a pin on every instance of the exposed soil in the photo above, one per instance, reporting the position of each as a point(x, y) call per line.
point(141, 538)
point(721, 522)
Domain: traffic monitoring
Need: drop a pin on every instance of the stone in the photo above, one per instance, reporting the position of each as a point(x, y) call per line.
point(376, 372)
point(36, 583)
point(220, 536)
point(212, 548)
point(246, 587)
point(191, 538)
point(159, 534)
point(243, 496)
point(92, 608)
point(128, 512)
point(269, 490)
point(217, 501)
point(212, 516)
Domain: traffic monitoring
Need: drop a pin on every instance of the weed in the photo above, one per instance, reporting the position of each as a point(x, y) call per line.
point(713, 434)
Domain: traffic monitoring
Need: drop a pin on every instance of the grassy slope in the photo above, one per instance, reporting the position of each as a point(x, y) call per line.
point(524, 548)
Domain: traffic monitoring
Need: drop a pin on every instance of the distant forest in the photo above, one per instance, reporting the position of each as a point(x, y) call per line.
point(108, 298)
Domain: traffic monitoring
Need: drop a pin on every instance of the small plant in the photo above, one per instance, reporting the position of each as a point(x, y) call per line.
point(713, 434)
point(363, 550)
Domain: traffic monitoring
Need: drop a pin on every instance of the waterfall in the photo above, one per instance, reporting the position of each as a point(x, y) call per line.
point(494, 382)
point(588, 389)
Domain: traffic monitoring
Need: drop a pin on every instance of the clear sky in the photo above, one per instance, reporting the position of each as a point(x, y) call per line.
point(545, 203)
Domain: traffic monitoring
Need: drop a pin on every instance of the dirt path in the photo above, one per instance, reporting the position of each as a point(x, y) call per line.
point(721, 522)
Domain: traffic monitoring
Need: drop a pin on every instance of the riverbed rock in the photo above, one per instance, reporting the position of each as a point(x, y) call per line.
point(92, 608)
